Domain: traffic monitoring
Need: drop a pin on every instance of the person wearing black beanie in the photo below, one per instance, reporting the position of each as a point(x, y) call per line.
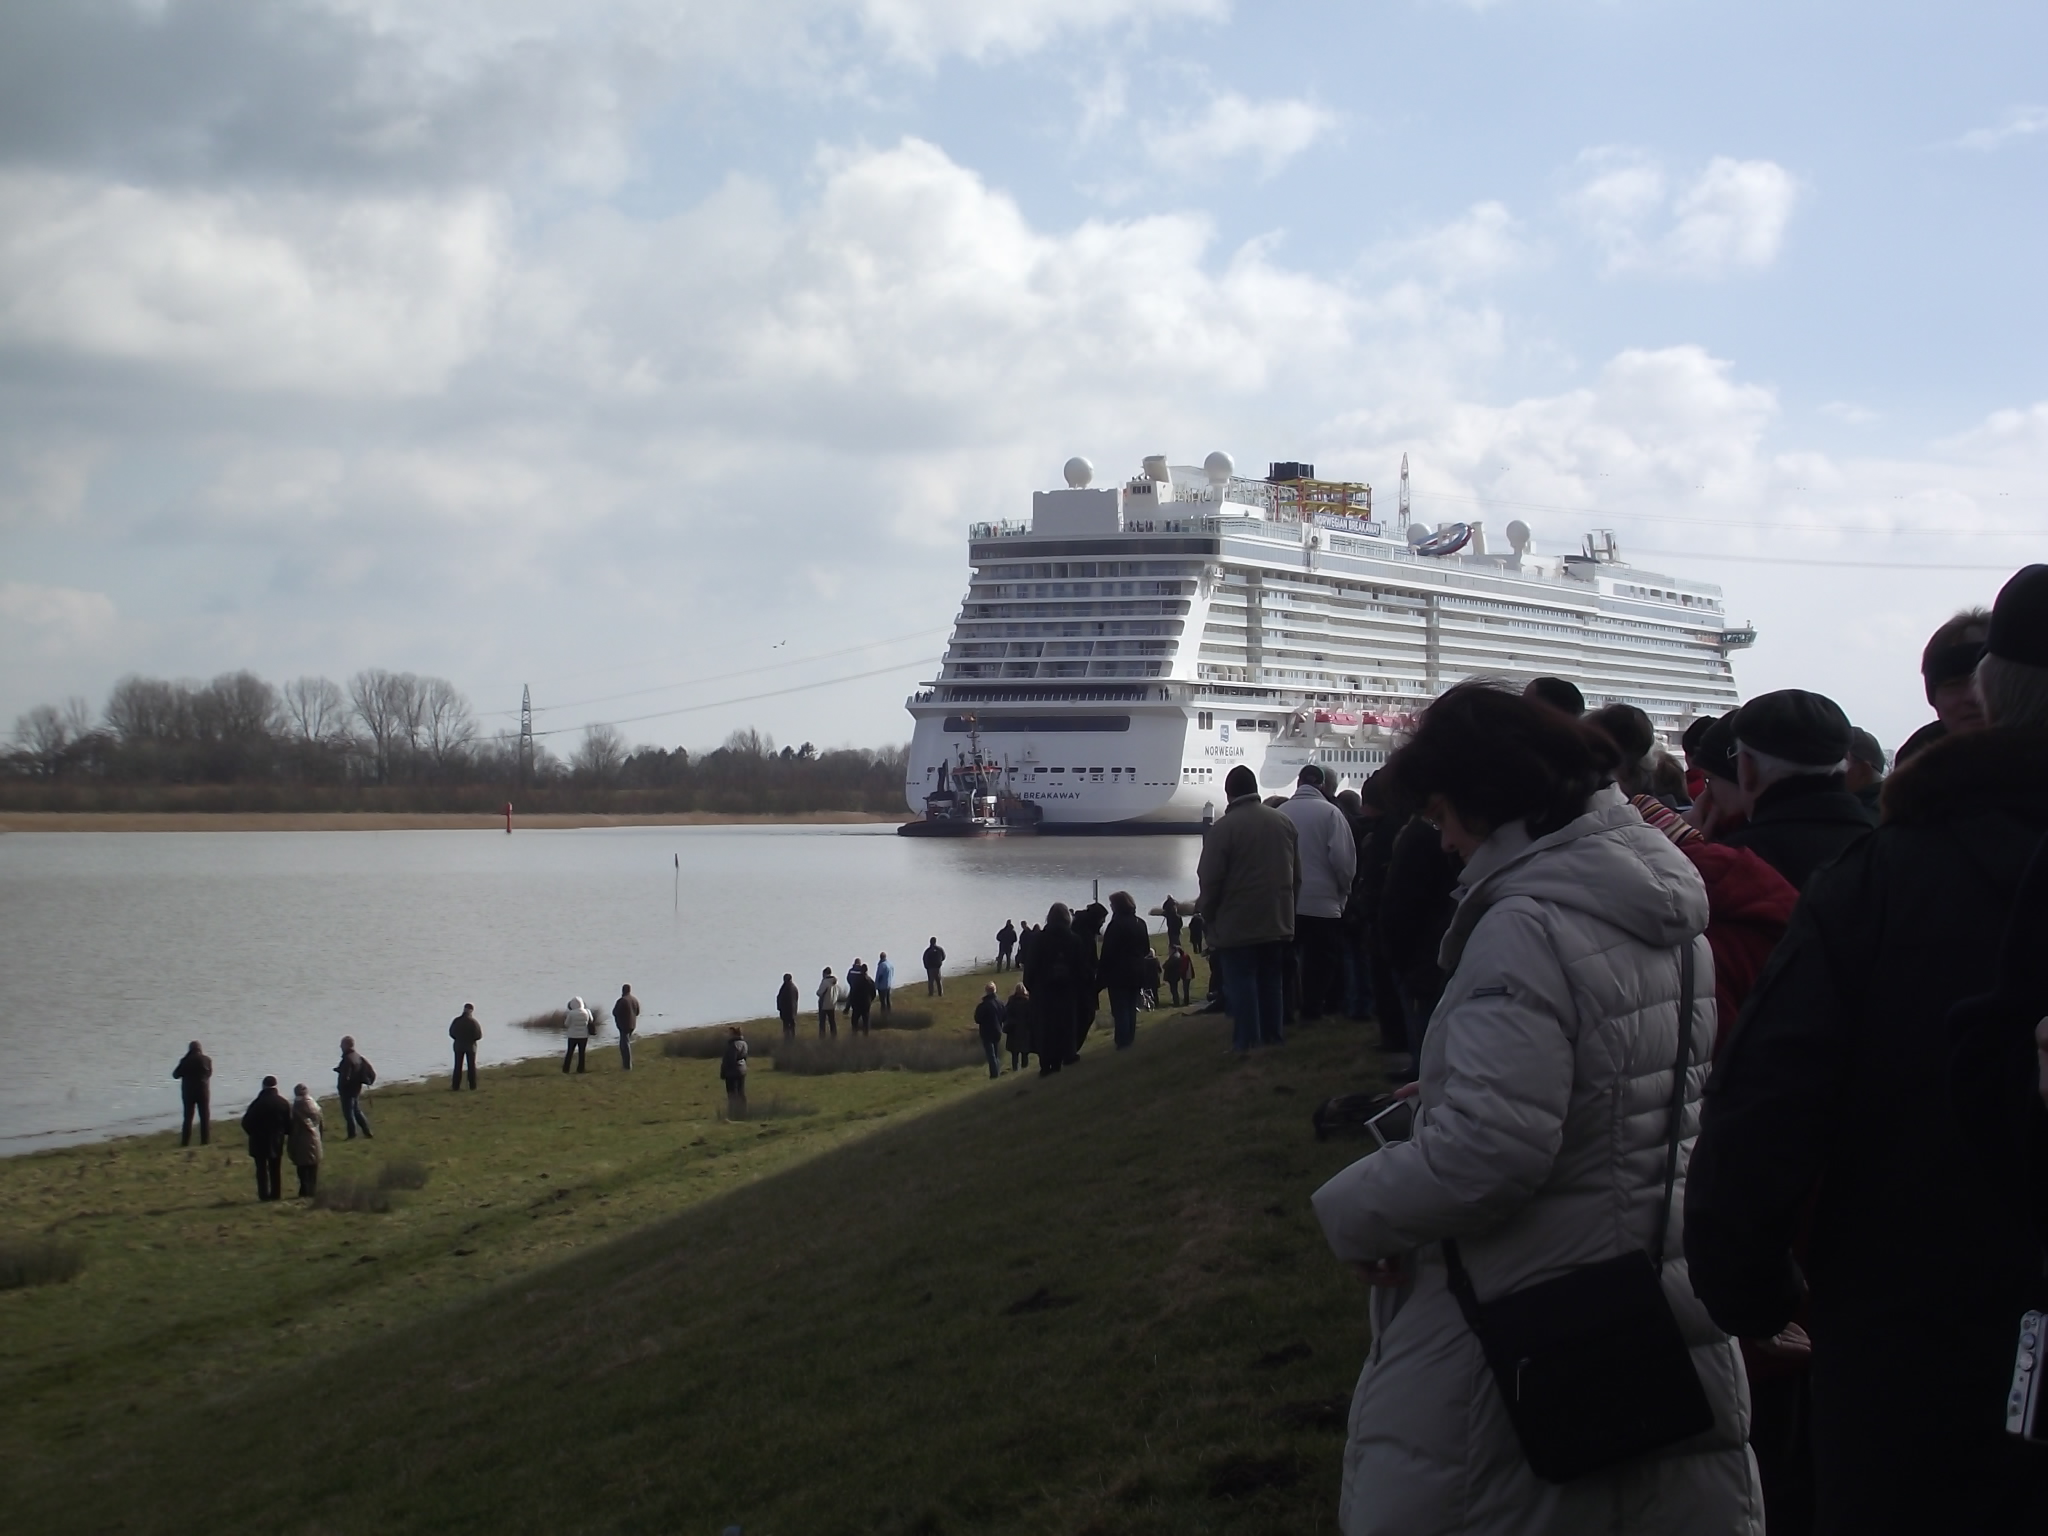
point(1790, 755)
point(1948, 665)
point(1921, 1253)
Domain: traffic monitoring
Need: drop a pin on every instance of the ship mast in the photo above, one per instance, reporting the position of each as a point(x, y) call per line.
point(1404, 490)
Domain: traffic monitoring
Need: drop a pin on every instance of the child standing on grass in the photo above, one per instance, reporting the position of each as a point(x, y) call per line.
point(732, 1068)
point(303, 1141)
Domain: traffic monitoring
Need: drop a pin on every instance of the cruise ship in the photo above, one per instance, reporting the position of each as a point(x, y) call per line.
point(1127, 647)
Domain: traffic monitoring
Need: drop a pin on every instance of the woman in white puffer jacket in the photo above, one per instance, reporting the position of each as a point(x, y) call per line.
point(1539, 1141)
point(579, 1021)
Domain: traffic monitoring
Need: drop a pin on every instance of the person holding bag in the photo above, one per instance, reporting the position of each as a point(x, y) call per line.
point(1539, 1363)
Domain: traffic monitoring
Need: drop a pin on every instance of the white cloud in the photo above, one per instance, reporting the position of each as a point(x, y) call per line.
point(2020, 123)
point(371, 295)
point(1230, 126)
point(1730, 218)
point(1849, 413)
point(924, 31)
point(1484, 242)
point(57, 619)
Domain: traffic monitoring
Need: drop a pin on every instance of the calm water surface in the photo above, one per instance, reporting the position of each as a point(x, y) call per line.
point(117, 948)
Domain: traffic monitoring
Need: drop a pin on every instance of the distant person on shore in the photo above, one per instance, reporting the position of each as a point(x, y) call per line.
point(1250, 871)
point(787, 998)
point(579, 1021)
point(1196, 928)
point(352, 1074)
point(303, 1140)
point(1155, 973)
point(1328, 853)
point(860, 997)
point(1006, 942)
point(1017, 1027)
point(194, 1073)
point(988, 1021)
point(626, 1016)
point(1126, 946)
point(934, 958)
point(1170, 910)
point(885, 980)
point(267, 1122)
point(465, 1031)
point(1062, 964)
point(828, 1004)
point(732, 1071)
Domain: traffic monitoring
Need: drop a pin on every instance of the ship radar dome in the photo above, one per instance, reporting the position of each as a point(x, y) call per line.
point(1518, 537)
point(1219, 467)
point(1079, 472)
point(1416, 534)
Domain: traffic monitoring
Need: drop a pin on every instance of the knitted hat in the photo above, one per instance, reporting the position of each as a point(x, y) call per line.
point(1804, 728)
point(1240, 781)
point(2019, 619)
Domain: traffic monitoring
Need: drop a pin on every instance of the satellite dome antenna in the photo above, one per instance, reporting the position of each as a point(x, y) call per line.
point(1219, 467)
point(1404, 490)
point(1079, 472)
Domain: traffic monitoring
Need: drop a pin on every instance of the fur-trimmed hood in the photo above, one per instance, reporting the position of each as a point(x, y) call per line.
point(1996, 769)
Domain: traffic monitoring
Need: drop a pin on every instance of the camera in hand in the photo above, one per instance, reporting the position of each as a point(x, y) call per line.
point(2024, 1415)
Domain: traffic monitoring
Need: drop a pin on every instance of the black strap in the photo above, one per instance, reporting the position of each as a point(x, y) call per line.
point(1460, 1282)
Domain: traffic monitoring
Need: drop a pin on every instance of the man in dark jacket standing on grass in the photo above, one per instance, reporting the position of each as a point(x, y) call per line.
point(1830, 1111)
point(934, 958)
point(267, 1122)
point(1791, 750)
point(988, 1023)
point(1250, 872)
point(860, 997)
point(786, 1000)
point(626, 1018)
point(352, 1074)
point(194, 1073)
point(465, 1030)
point(1120, 971)
point(1006, 941)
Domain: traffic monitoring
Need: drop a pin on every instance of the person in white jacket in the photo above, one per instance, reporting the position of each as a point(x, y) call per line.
point(1540, 1139)
point(1329, 858)
point(578, 1020)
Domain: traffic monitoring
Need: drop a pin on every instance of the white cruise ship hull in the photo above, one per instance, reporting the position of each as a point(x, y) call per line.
point(1119, 654)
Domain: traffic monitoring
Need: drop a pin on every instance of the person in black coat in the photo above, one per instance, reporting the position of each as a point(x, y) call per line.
point(787, 1000)
point(1830, 1111)
point(1415, 910)
point(1170, 910)
point(1017, 1027)
point(988, 1024)
point(732, 1071)
point(194, 1073)
point(267, 1122)
point(1195, 927)
point(1060, 972)
point(1790, 747)
point(934, 962)
point(860, 997)
point(1120, 970)
point(465, 1030)
point(1006, 941)
point(1088, 926)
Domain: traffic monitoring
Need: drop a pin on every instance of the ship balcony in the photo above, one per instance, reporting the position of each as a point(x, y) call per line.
point(1738, 638)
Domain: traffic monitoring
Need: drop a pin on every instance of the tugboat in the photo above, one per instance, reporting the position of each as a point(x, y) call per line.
point(973, 798)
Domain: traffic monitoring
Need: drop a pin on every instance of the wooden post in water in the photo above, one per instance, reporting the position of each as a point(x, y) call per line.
point(508, 818)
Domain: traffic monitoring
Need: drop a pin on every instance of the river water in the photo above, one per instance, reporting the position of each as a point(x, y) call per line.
point(117, 948)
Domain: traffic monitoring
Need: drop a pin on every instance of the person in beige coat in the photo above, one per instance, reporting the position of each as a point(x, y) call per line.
point(1539, 1140)
point(303, 1142)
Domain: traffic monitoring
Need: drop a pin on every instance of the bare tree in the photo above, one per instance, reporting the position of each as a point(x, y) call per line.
point(43, 734)
point(379, 699)
point(600, 754)
point(749, 743)
point(315, 710)
point(238, 707)
point(447, 724)
point(147, 709)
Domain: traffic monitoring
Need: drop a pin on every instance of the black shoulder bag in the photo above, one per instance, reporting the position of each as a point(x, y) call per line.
point(1591, 1365)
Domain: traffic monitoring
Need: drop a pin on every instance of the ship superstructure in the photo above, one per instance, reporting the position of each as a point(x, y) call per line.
point(1129, 645)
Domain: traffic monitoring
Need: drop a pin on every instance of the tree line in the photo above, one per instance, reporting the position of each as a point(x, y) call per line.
point(394, 741)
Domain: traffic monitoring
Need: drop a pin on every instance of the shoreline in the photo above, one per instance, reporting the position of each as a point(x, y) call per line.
point(408, 821)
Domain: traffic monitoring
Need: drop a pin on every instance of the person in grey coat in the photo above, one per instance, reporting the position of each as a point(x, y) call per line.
point(1540, 1139)
point(194, 1073)
point(303, 1141)
point(1250, 871)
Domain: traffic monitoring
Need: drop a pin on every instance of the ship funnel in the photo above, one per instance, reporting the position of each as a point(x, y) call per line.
point(1219, 467)
point(1155, 468)
point(1079, 472)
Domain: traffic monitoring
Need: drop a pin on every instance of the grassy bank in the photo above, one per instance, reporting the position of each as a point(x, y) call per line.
point(910, 1302)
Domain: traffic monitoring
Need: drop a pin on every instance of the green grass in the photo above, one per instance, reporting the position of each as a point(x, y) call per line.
point(1091, 1303)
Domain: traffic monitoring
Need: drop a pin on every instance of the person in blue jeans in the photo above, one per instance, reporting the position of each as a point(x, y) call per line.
point(1250, 871)
point(352, 1074)
point(988, 1021)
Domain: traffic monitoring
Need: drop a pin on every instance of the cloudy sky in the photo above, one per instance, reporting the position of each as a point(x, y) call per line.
point(658, 354)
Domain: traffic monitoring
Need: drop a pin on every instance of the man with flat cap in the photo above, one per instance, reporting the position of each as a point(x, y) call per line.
point(1791, 750)
point(1854, 1101)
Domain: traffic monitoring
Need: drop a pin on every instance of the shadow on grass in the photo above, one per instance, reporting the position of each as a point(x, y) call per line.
point(26, 1261)
point(773, 1109)
point(707, 1042)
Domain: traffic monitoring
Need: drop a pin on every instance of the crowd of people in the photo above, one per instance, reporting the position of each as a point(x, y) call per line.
point(1753, 1035)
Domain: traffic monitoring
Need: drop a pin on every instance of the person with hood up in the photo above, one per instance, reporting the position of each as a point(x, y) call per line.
point(626, 1019)
point(787, 998)
point(303, 1140)
point(578, 1021)
point(267, 1122)
point(1126, 946)
point(1170, 910)
point(1854, 1162)
point(732, 1071)
point(1543, 1117)
point(988, 1024)
point(1017, 1027)
point(194, 1073)
point(828, 1004)
point(1061, 970)
point(1250, 872)
point(352, 1075)
point(885, 980)
point(860, 996)
point(465, 1030)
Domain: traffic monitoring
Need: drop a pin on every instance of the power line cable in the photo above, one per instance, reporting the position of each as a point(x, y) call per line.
point(747, 698)
point(1725, 522)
